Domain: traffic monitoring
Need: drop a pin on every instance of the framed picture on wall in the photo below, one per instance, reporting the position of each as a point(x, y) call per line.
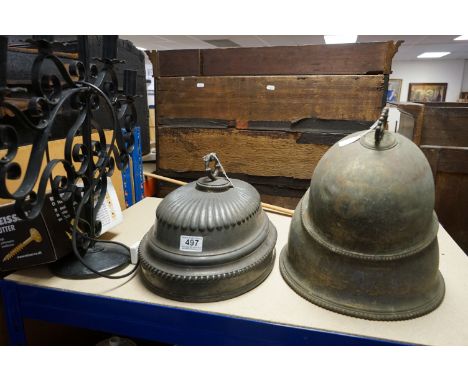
point(394, 90)
point(427, 92)
point(463, 97)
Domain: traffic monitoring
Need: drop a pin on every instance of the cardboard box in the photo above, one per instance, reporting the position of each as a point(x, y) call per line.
point(26, 243)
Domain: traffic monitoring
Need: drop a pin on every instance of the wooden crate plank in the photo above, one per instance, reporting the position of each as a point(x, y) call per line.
point(406, 126)
point(438, 124)
point(272, 185)
point(257, 153)
point(432, 155)
point(285, 201)
point(445, 126)
point(447, 159)
point(178, 63)
point(454, 160)
point(318, 131)
point(451, 205)
point(293, 98)
point(365, 58)
point(282, 201)
point(416, 110)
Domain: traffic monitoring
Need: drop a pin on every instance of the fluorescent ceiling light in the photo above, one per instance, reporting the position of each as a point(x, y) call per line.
point(340, 39)
point(462, 37)
point(433, 54)
point(140, 48)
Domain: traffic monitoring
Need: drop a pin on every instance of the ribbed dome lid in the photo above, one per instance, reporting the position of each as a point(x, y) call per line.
point(206, 205)
point(228, 217)
point(211, 240)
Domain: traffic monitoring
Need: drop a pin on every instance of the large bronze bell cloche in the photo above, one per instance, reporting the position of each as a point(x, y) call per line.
point(363, 239)
point(211, 240)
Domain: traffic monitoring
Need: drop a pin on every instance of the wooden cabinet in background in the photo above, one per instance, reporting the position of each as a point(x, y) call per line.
point(441, 131)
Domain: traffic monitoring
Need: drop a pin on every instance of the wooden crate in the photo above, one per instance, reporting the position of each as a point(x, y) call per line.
point(441, 130)
point(271, 98)
point(254, 153)
point(269, 113)
point(369, 58)
point(443, 124)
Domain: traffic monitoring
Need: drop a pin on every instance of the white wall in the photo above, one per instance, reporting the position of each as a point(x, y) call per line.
point(422, 70)
point(465, 78)
point(149, 77)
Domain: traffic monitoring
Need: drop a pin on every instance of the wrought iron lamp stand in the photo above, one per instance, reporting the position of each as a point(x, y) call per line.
point(86, 90)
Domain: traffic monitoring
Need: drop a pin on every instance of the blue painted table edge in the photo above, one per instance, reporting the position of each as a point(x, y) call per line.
point(165, 324)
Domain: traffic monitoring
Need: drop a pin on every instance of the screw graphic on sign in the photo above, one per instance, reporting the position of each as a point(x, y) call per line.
point(34, 235)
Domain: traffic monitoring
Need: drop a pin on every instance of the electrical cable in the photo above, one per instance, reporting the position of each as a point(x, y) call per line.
point(75, 248)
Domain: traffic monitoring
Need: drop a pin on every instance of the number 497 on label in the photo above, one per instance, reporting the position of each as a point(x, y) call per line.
point(191, 243)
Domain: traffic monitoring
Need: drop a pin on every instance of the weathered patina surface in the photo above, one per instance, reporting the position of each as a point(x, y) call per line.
point(363, 239)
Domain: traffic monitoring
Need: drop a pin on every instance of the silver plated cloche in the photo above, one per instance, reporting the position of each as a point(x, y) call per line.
point(211, 240)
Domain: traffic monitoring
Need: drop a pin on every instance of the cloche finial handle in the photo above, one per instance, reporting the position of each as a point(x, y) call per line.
point(212, 173)
point(379, 131)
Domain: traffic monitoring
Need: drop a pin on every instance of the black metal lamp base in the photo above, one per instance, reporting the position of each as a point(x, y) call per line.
point(103, 257)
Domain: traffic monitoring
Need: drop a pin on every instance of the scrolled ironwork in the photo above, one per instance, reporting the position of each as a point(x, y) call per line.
point(86, 88)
